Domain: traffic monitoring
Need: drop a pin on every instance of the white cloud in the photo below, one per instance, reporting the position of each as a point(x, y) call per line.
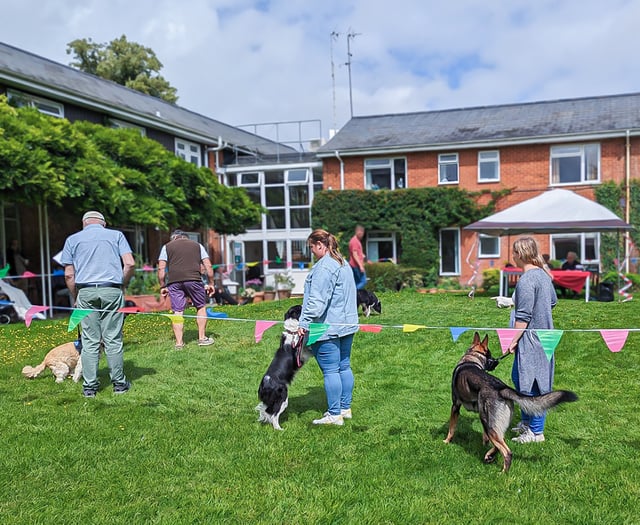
point(243, 61)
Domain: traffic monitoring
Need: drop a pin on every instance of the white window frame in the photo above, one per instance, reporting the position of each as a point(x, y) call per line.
point(582, 243)
point(36, 102)
point(243, 176)
point(117, 123)
point(290, 178)
point(556, 153)
point(483, 254)
point(395, 182)
point(445, 160)
point(187, 153)
point(374, 237)
point(489, 157)
point(456, 271)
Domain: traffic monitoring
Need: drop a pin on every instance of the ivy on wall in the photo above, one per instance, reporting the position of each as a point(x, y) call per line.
point(612, 196)
point(415, 215)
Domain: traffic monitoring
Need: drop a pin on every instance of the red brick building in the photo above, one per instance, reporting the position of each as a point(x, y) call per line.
point(528, 148)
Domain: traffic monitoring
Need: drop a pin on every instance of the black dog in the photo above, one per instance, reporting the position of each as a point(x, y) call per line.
point(289, 358)
point(480, 392)
point(368, 301)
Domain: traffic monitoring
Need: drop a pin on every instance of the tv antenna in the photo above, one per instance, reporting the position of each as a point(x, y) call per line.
point(334, 36)
point(350, 36)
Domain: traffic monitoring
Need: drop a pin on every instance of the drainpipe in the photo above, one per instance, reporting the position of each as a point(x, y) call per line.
point(627, 214)
point(221, 145)
point(341, 170)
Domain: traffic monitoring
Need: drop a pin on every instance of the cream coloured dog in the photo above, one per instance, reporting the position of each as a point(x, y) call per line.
point(63, 361)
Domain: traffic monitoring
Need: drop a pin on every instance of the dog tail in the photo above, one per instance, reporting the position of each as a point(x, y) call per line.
point(31, 372)
point(538, 405)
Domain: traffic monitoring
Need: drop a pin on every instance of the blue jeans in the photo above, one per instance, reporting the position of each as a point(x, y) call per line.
point(360, 278)
point(535, 423)
point(334, 359)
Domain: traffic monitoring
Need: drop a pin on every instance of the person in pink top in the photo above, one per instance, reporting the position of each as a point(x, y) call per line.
point(356, 258)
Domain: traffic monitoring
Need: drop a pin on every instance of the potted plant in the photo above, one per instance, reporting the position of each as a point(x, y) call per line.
point(269, 293)
point(144, 291)
point(284, 285)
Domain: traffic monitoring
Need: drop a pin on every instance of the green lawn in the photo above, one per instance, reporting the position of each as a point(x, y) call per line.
point(183, 446)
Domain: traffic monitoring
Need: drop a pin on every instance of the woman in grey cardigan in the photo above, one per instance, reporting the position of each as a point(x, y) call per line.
point(534, 297)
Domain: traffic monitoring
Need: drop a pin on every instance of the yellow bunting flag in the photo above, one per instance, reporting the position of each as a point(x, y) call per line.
point(175, 318)
point(412, 327)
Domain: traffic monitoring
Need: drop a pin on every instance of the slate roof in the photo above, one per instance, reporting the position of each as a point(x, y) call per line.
point(512, 123)
point(56, 81)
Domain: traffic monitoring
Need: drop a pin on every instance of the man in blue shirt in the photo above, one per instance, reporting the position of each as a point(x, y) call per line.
point(98, 264)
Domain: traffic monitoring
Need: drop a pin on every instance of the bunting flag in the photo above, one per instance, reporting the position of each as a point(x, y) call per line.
point(316, 330)
point(261, 328)
point(77, 315)
point(252, 264)
point(456, 332)
point(412, 327)
point(57, 272)
point(614, 339)
point(374, 328)
point(4, 271)
point(28, 274)
point(129, 310)
point(175, 318)
point(278, 259)
point(28, 316)
point(549, 340)
point(4, 302)
point(506, 335)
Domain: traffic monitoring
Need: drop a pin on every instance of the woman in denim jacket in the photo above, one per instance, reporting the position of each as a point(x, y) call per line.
point(330, 298)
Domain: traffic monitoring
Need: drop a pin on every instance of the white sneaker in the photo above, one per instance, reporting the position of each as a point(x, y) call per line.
point(346, 413)
point(520, 428)
point(529, 437)
point(329, 419)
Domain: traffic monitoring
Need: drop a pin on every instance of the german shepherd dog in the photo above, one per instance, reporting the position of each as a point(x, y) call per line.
point(478, 391)
point(273, 391)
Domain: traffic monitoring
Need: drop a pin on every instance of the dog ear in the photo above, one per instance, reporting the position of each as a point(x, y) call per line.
point(476, 338)
point(485, 342)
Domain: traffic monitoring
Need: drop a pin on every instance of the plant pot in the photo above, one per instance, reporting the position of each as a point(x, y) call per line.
point(284, 294)
point(269, 295)
point(150, 303)
point(258, 297)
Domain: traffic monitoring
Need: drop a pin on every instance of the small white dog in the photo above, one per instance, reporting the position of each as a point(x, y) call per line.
point(63, 360)
point(503, 302)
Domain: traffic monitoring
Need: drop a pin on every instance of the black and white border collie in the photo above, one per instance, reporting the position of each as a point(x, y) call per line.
point(368, 301)
point(273, 391)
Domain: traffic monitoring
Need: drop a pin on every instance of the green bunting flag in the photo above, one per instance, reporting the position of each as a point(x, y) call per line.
point(549, 340)
point(4, 271)
point(76, 316)
point(316, 330)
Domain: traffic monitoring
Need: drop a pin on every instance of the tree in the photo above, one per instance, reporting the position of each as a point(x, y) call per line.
point(127, 63)
point(133, 179)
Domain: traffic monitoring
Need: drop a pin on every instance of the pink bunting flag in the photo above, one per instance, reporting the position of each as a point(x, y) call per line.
point(262, 327)
point(129, 309)
point(28, 316)
point(614, 339)
point(374, 328)
point(29, 274)
point(506, 335)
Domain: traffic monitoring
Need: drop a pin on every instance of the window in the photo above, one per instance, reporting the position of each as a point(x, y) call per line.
point(381, 246)
point(585, 245)
point(450, 251)
point(300, 254)
point(578, 164)
point(43, 105)
point(448, 168)
point(189, 151)
point(488, 166)
point(385, 174)
point(488, 246)
point(115, 123)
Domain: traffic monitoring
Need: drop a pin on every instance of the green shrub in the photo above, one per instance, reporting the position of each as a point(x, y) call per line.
point(490, 278)
point(612, 277)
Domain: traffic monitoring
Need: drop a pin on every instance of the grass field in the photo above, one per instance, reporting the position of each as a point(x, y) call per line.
point(183, 446)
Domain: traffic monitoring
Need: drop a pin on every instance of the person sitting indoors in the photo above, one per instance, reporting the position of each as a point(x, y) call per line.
point(571, 263)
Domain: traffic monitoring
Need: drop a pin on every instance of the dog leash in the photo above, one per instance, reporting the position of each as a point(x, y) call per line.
point(298, 346)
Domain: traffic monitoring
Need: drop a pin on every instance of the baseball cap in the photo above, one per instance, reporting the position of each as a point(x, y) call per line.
point(93, 215)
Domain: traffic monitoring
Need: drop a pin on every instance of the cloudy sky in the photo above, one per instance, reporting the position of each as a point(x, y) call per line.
point(260, 61)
